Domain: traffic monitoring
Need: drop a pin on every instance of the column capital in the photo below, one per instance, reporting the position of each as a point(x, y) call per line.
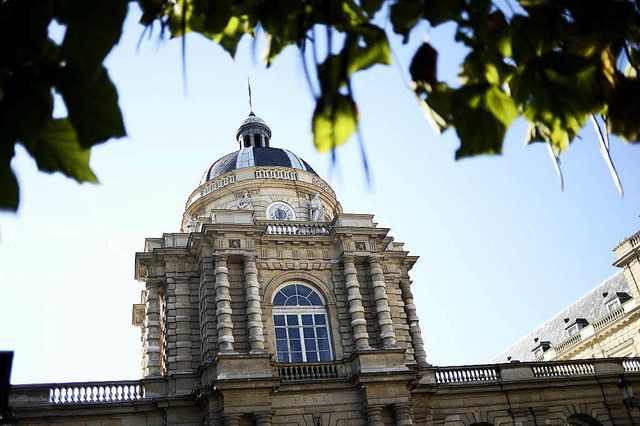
point(249, 257)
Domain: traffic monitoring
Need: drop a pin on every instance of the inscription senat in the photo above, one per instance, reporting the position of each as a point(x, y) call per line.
point(314, 399)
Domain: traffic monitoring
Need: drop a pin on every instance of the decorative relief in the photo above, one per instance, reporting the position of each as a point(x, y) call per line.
point(219, 243)
point(316, 209)
point(234, 244)
point(279, 254)
point(374, 246)
point(361, 245)
point(295, 254)
point(325, 254)
point(310, 254)
point(264, 252)
point(245, 203)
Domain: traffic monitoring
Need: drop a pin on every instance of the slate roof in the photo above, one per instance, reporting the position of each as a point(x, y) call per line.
point(255, 157)
point(591, 307)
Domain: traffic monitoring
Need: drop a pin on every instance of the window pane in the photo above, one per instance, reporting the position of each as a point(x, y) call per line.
point(282, 345)
point(292, 301)
point(310, 345)
point(295, 346)
point(292, 320)
point(315, 299)
point(283, 357)
point(279, 299)
point(312, 357)
point(322, 332)
point(294, 333)
point(307, 319)
point(304, 291)
point(281, 333)
point(308, 332)
point(323, 344)
point(320, 319)
point(303, 301)
point(296, 357)
point(325, 356)
point(289, 290)
point(278, 320)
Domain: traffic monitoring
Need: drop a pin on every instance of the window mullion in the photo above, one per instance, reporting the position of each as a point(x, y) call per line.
point(302, 345)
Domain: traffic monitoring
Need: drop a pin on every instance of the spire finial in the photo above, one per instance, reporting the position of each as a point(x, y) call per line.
point(250, 103)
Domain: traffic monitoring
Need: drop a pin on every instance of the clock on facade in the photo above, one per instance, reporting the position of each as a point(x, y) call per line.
point(280, 211)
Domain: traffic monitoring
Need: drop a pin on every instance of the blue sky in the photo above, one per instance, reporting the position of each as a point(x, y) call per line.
point(501, 246)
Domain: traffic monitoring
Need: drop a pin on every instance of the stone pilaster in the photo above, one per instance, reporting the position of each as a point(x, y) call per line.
point(223, 306)
point(412, 319)
point(183, 325)
point(153, 352)
point(403, 414)
point(356, 310)
point(207, 308)
point(381, 300)
point(252, 305)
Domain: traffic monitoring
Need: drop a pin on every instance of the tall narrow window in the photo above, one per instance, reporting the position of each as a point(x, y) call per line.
point(300, 321)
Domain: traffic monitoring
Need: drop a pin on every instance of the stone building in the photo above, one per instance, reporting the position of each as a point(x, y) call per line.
point(275, 307)
point(603, 323)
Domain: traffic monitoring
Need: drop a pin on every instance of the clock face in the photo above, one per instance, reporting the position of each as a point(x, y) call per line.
point(280, 211)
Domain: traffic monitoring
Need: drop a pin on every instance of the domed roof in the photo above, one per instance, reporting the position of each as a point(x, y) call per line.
point(252, 122)
point(255, 157)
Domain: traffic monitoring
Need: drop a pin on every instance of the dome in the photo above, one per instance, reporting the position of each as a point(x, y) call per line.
point(255, 157)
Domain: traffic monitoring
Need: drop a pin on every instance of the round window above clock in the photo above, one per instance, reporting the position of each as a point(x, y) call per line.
point(280, 211)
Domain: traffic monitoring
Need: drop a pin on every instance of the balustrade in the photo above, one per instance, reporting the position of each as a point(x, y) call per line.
point(631, 365)
point(91, 393)
point(563, 346)
point(309, 371)
point(564, 369)
point(297, 229)
point(608, 319)
point(466, 375)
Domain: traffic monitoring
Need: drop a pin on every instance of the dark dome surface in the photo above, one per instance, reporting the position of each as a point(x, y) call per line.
point(255, 157)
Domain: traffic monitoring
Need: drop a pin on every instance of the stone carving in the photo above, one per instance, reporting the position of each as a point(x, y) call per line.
point(192, 224)
point(245, 202)
point(234, 244)
point(316, 209)
point(361, 245)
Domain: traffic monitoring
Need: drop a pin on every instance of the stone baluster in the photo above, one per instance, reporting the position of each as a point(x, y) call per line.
point(252, 304)
point(152, 326)
point(403, 414)
point(356, 310)
point(223, 305)
point(412, 319)
point(381, 300)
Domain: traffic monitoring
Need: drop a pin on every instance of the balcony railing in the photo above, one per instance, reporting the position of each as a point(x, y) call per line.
point(310, 371)
point(78, 393)
point(297, 228)
point(534, 370)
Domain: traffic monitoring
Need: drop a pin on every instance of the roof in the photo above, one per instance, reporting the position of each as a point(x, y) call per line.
point(255, 157)
point(591, 307)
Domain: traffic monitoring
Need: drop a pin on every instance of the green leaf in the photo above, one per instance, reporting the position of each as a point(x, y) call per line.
point(92, 103)
point(371, 7)
point(334, 122)
point(482, 114)
point(375, 50)
point(58, 150)
point(93, 28)
point(405, 14)
point(624, 109)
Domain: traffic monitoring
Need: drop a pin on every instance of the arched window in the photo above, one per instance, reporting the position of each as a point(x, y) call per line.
point(300, 321)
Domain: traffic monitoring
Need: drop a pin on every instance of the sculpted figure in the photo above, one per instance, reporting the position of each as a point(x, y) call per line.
point(316, 209)
point(245, 202)
point(192, 224)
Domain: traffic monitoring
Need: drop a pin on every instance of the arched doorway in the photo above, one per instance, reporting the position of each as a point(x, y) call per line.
point(581, 420)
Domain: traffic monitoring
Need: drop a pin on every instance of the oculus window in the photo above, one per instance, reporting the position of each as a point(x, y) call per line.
point(300, 322)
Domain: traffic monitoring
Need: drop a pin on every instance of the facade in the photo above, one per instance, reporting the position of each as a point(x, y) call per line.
point(604, 323)
point(275, 307)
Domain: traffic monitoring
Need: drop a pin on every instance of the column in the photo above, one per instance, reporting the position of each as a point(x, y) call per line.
point(374, 416)
point(356, 310)
point(403, 414)
point(412, 319)
point(153, 352)
point(231, 419)
point(252, 305)
point(383, 313)
point(207, 308)
point(263, 419)
point(223, 306)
